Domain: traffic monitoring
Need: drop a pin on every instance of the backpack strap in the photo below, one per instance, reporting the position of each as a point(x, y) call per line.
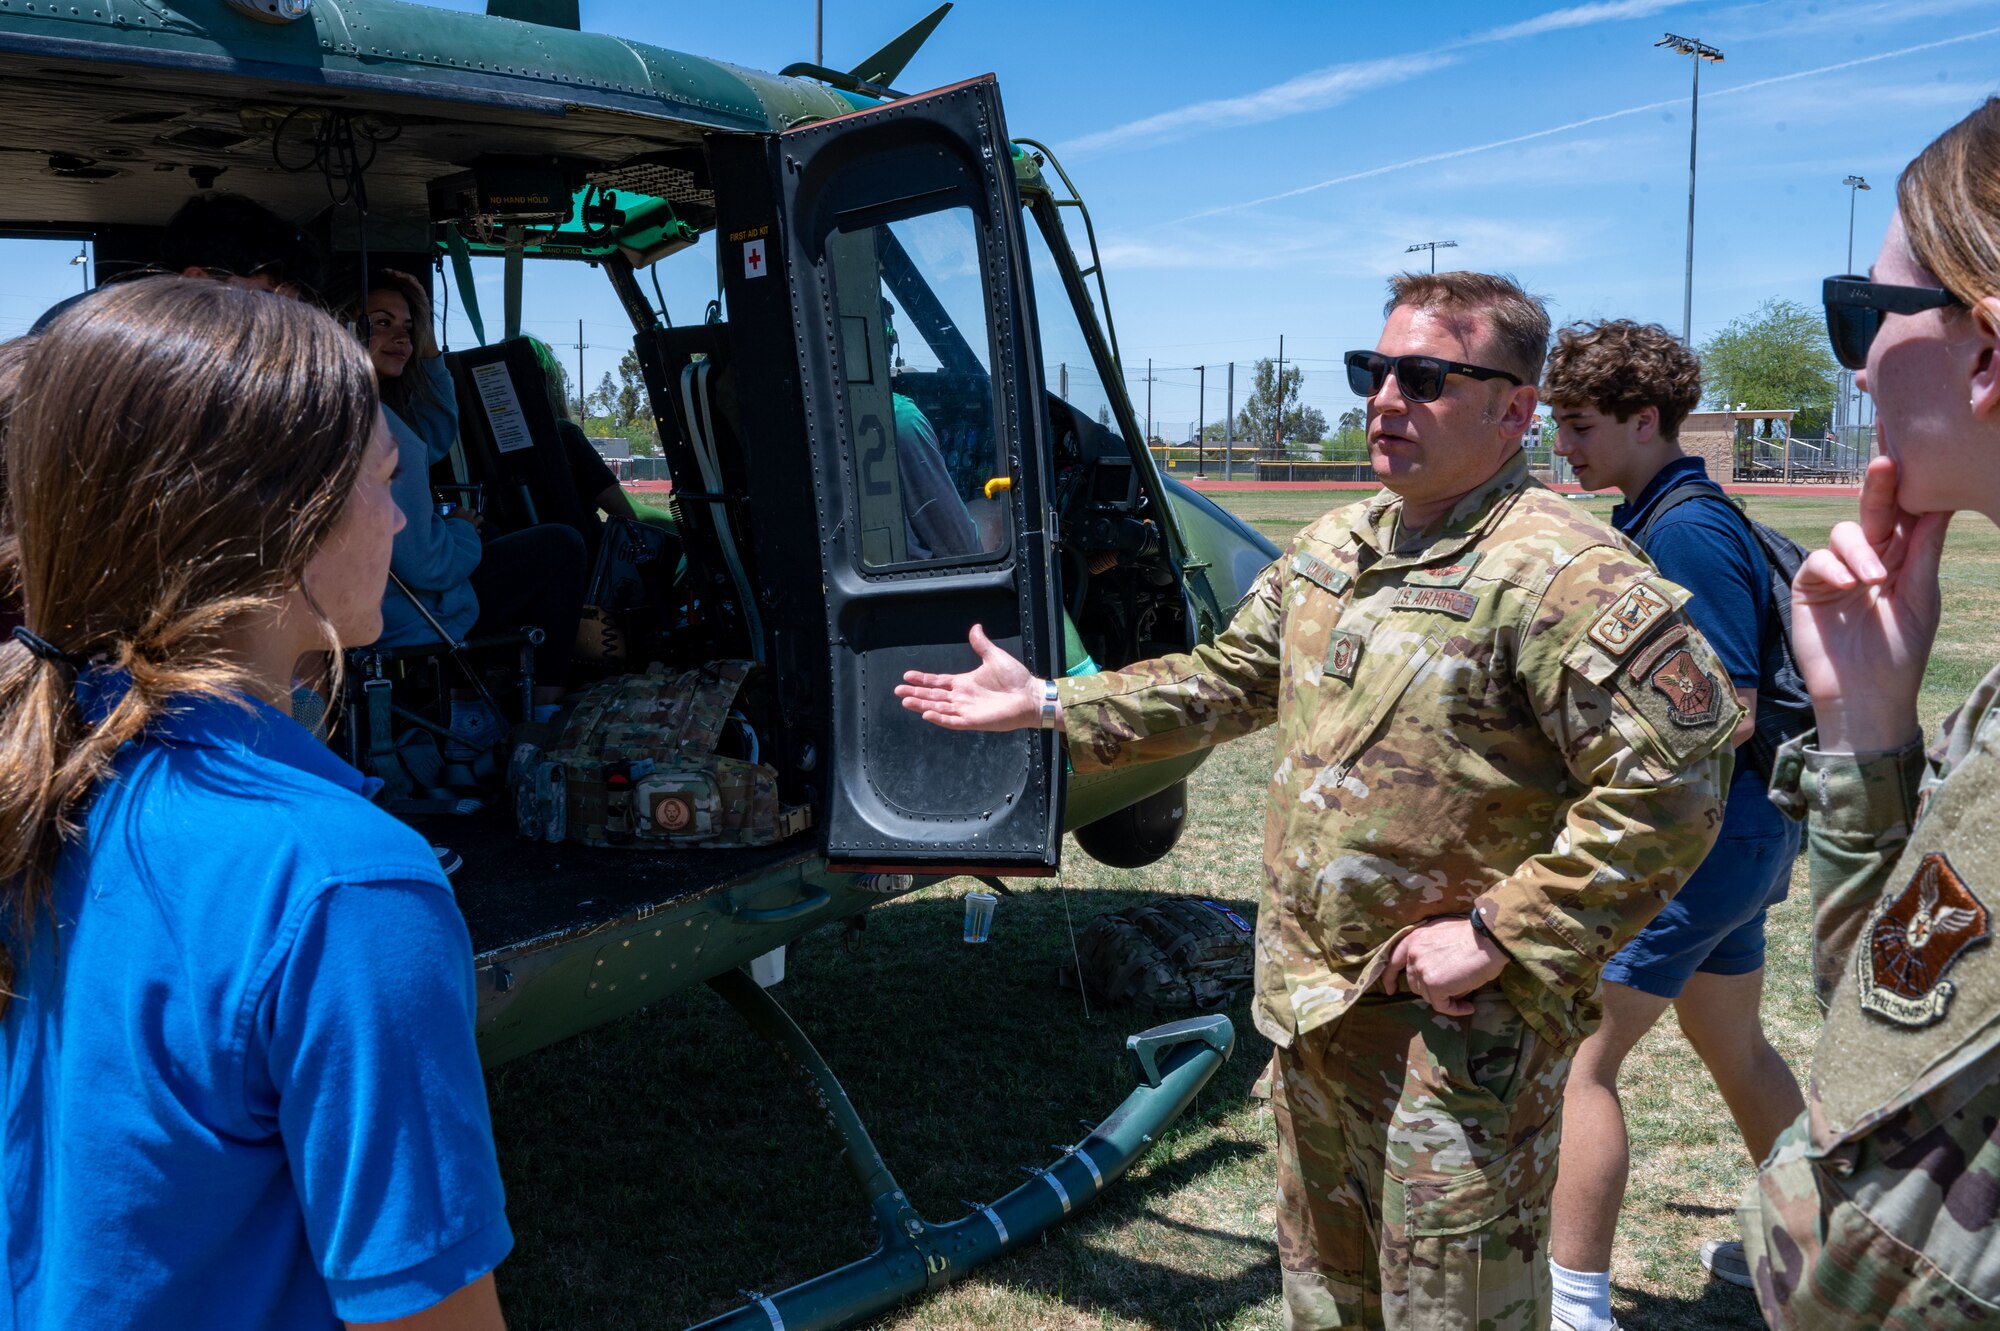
point(1682, 492)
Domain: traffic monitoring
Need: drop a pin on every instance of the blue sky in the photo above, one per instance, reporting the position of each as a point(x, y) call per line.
point(1261, 172)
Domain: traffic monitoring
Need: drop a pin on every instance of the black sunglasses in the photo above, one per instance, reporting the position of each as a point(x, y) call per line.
point(1420, 377)
point(1855, 306)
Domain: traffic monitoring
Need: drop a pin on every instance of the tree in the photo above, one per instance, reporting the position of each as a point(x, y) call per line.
point(1355, 419)
point(604, 400)
point(631, 389)
point(1775, 358)
point(1269, 397)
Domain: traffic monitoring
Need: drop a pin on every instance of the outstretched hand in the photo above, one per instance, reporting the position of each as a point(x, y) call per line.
point(1000, 694)
point(1864, 615)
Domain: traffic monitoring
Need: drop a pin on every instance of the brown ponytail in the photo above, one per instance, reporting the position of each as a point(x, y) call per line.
point(173, 452)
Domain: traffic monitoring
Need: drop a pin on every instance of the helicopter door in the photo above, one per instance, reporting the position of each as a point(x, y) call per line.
point(900, 233)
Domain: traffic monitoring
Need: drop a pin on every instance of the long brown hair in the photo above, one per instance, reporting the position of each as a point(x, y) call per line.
point(174, 451)
point(1950, 201)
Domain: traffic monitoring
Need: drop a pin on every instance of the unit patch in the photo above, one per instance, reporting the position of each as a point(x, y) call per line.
point(1446, 575)
point(1459, 605)
point(1621, 627)
point(1694, 696)
point(1912, 939)
point(1316, 570)
point(1343, 654)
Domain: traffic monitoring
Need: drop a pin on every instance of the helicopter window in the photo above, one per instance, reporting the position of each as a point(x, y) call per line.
point(1069, 368)
point(915, 350)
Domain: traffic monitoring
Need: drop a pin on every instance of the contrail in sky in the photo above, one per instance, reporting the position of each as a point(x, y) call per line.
point(1319, 89)
point(1447, 155)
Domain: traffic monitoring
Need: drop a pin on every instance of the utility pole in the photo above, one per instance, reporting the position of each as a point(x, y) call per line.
point(1149, 401)
point(1278, 426)
point(819, 32)
point(1433, 246)
point(1700, 51)
point(1848, 397)
point(1062, 381)
point(1855, 184)
point(1201, 422)
point(582, 393)
point(1229, 429)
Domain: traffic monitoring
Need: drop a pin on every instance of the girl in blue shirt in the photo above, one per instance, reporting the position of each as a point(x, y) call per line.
point(236, 1058)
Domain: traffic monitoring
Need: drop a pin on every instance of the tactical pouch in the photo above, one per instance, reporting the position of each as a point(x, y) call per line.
point(641, 771)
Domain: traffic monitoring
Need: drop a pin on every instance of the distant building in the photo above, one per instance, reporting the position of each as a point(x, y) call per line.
point(612, 449)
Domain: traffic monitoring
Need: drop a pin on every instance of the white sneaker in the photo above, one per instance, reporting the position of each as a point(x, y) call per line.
point(1725, 1260)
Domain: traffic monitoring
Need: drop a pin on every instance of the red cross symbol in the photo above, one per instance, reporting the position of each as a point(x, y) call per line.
point(754, 258)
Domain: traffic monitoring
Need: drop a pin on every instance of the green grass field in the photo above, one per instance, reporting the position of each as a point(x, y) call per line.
point(658, 1165)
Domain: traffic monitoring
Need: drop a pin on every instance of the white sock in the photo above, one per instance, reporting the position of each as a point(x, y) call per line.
point(1583, 1298)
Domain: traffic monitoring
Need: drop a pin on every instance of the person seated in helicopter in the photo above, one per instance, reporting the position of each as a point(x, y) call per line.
point(445, 581)
point(936, 522)
point(598, 492)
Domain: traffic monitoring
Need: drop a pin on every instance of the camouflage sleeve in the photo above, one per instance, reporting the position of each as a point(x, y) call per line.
point(1190, 700)
point(1641, 710)
point(1863, 806)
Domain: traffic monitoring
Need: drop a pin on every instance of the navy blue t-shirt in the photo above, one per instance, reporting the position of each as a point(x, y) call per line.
point(1710, 552)
point(239, 1084)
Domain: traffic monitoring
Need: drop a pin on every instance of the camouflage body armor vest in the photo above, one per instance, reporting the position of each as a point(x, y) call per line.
point(640, 771)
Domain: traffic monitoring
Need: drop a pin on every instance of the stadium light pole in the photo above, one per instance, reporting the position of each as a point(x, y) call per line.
point(1433, 246)
point(1855, 184)
point(1700, 51)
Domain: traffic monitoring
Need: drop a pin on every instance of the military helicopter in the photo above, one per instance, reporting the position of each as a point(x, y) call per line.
point(868, 245)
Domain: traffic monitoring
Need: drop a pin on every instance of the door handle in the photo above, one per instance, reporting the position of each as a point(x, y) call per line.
point(814, 898)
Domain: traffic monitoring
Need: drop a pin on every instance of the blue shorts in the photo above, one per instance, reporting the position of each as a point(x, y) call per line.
point(1715, 923)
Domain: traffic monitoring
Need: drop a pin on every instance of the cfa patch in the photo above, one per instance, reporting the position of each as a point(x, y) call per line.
point(1911, 940)
point(1458, 604)
point(1316, 570)
point(1446, 575)
point(1629, 619)
point(1343, 654)
point(1694, 695)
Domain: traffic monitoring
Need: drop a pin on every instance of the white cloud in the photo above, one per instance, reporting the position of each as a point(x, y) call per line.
point(1451, 153)
point(1322, 88)
point(1316, 91)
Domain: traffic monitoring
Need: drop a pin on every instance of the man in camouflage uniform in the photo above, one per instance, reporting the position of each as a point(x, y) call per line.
point(1502, 750)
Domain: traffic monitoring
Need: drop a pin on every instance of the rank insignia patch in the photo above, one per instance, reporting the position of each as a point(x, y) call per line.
point(1343, 654)
point(1316, 570)
point(1446, 575)
point(1459, 605)
point(1694, 696)
point(1911, 940)
point(1618, 629)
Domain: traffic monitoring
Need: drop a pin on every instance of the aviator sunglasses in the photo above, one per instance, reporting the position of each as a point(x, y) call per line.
point(1855, 306)
point(1420, 377)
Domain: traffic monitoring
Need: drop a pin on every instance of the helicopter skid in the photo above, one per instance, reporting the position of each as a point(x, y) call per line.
point(915, 1256)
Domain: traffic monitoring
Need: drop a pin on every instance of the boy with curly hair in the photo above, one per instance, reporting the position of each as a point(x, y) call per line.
point(1620, 391)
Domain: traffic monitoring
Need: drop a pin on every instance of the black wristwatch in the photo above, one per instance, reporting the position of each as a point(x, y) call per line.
point(1480, 926)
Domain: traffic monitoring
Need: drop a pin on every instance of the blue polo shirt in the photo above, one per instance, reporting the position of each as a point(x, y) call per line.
point(1710, 552)
point(240, 1082)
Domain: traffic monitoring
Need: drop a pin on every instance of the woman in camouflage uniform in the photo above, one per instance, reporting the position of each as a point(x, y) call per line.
point(1878, 1208)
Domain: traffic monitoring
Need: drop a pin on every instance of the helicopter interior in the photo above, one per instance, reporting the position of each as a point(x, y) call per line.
point(422, 184)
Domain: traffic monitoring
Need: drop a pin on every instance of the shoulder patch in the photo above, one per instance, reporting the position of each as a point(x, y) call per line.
point(1630, 618)
point(1694, 695)
point(1911, 940)
point(1458, 604)
point(1316, 570)
point(1445, 575)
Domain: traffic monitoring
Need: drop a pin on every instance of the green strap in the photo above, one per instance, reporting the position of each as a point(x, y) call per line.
point(461, 273)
